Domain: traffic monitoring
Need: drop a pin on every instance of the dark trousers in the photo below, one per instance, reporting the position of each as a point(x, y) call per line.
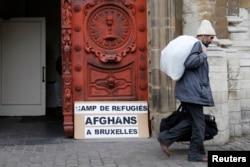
point(196, 121)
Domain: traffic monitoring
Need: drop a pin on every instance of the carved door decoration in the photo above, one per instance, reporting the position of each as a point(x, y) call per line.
point(104, 48)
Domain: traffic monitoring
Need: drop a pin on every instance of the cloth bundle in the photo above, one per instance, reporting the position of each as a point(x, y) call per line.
point(174, 55)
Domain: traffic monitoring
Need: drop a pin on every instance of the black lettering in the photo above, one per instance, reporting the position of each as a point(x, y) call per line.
point(111, 120)
point(118, 121)
point(88, 108)
point(83, 108)
point(126, 120)
point(88, 121)
point(133, 108)
point(133, 120)
point(126, 131)
point(131, 131)
point(123, 108)
point(118, 108)
point(102, 120)
point(89, 132)
point(119, 132)
point(112, 131)
point(102, 131)
point(95, 119)
point(114, 108)
point(104, 108)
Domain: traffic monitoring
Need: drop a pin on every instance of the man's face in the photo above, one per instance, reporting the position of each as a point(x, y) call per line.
point(207, 39)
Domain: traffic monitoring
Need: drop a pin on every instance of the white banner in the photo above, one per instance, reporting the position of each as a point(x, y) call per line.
point(110, 120)
point(105, 107)
point(111, 132)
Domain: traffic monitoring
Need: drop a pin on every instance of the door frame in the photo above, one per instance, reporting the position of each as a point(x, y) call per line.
point(29, 109)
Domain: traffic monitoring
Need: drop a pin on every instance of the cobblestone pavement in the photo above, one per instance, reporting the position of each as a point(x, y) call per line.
point(43, 145)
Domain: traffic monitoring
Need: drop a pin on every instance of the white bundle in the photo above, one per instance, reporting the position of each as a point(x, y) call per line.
point(174, 55)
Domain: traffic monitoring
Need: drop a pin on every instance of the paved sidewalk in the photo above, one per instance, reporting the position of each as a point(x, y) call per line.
point(34, 149)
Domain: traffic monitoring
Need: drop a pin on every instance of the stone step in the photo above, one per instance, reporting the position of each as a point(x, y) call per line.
point(225, 43)
point(234, 19)
point(234, 29)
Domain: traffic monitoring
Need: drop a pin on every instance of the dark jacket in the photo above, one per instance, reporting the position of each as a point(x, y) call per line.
point(194, 86)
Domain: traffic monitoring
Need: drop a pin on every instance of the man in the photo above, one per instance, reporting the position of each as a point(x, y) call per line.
point(193, 91)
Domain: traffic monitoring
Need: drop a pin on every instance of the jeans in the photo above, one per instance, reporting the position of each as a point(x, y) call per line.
point(196, 121)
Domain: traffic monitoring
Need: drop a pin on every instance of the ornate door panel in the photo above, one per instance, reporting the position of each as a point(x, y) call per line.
point(104, 45)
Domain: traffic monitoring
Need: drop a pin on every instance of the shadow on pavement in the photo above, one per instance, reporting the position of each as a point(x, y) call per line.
point(20, 130)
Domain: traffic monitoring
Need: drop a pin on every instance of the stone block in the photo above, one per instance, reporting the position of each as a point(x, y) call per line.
point(246, 128)
point(155, 101)
point(222, 122)
point(221, 138)
point(244, 84)
point(155, 59)
point(246, 116)
point(242, 44)
point(244, 3)
point(237, 130)
point(155, 42)
point(216, 69)
point(216, 61)
point(243, 94)
point(239, 35)
point(155, 121)
point(246, 76)
point(233, 63)
point(233, 74)
point(233, 84)
point(245, 105)
point(234, 106)
point(235, 117)
point(245, 62)
point(221, 12)
point(231, 130)
point(221, 3)
point(247, 93)
point(217, 84)
point(219, 110)
point(234, 95)
point(245, 69)
point(220, 97)
point(155, 77)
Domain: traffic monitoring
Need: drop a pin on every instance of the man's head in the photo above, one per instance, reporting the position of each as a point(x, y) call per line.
point(205, 32)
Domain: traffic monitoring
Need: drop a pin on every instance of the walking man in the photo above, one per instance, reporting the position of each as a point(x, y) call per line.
point(193, 91)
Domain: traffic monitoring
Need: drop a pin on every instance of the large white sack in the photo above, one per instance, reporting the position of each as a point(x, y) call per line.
point(174, 55)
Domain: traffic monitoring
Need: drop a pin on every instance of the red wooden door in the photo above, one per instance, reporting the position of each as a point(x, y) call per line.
point(104, 47)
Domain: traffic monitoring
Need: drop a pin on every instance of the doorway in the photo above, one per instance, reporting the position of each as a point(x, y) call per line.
point(50, 11)
point(22, 63)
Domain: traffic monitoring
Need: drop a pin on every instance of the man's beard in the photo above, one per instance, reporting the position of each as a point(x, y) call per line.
point(205, 43)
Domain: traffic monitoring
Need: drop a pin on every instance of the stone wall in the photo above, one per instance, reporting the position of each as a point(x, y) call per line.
point(193, 12)
point(161, 20)
point(241, 42)
point(229, 59)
